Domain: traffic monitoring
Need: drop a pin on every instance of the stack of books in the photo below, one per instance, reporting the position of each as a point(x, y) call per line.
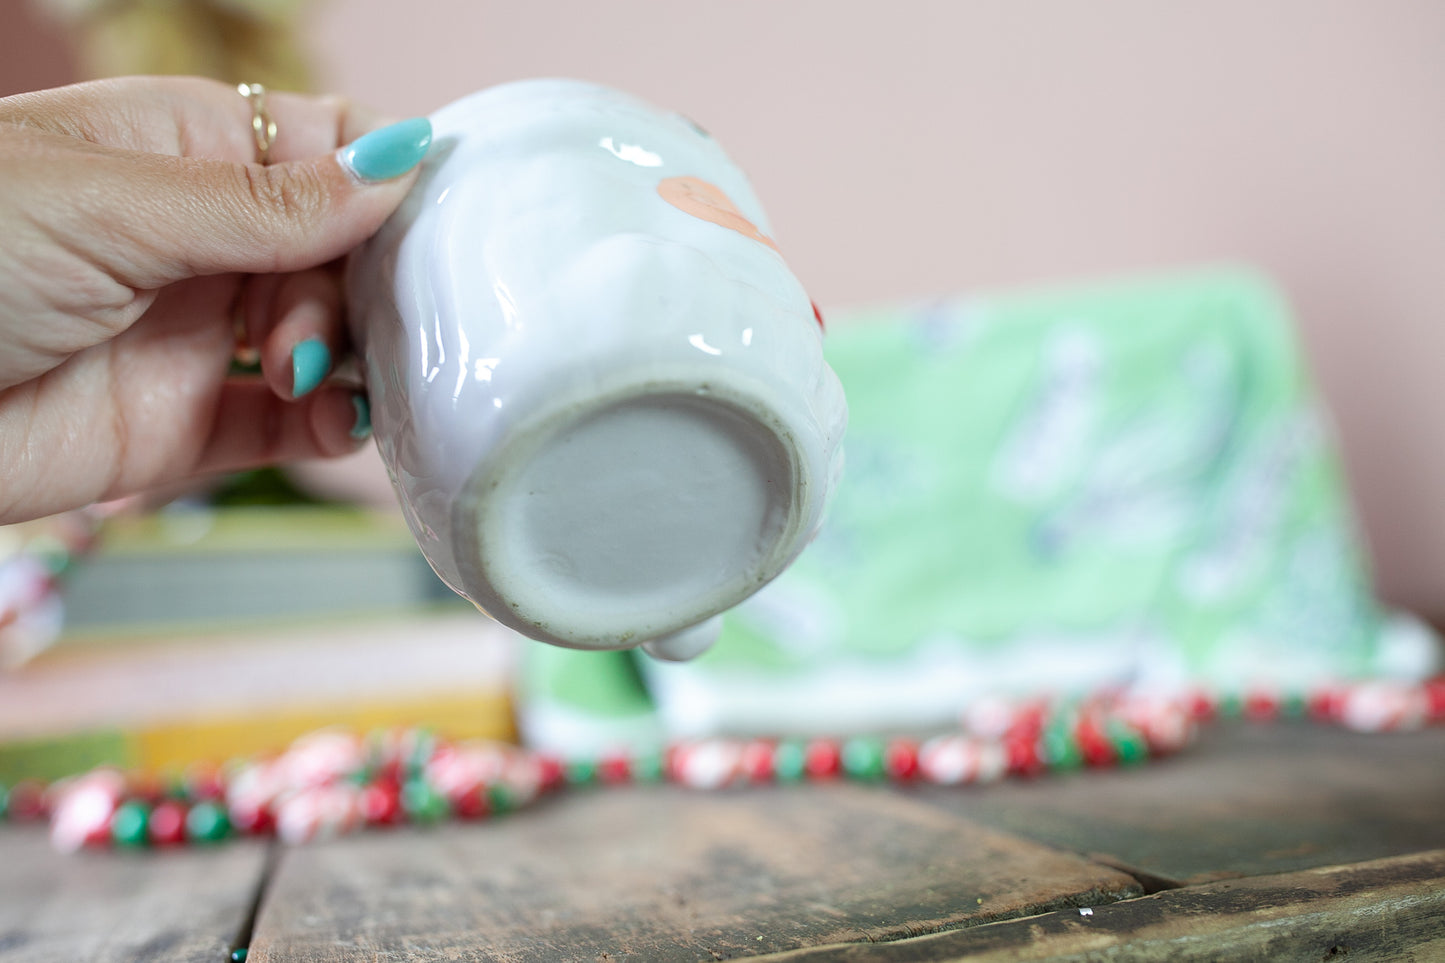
point(199, 635)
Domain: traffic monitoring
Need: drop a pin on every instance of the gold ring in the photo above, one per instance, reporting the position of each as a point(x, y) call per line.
point(262, 126)
point(245, 357)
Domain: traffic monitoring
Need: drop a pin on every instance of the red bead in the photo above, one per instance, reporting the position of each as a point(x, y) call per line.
point(1261, 707)
point(674, 758)
point(380, 804)
point(823, 759)
point(99, 837)
point(389, 770)
point(1023, 754)
point(472, 804)
point(1028, 722)
point(1201, 706)
point(552, 774)
point(27, 801)
point(900, 759)
point(167, 823)
point(1325, 705)
point(757, 761)
point(1435, 698)
point(1094, 746)
point(614, 769)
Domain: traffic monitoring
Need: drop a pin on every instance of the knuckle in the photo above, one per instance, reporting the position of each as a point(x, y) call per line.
point(335, 105)
point(292, 195)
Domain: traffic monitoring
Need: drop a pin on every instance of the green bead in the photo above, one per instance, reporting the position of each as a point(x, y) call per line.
point(1293, 706)
point(128, 824)
point(1129, 746)
point(1231, 706)
point(207, 823)
point(421, 751)
point(1060, 751)
point(4, 800)
point(422, 803)
point(647, 768)
point(580, 772)
point(790, 761)
point(52, 554)
point(863, 758)
point(238, 955)
point(501, 799)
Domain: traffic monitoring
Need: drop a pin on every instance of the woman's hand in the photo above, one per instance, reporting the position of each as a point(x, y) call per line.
point(138, 232)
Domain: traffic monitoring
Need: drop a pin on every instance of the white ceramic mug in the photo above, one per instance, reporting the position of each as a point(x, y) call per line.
point(598, 389)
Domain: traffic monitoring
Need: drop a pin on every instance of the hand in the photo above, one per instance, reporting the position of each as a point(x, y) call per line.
point(136, 230)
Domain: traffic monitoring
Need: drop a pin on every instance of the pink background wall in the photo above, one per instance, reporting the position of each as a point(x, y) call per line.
point(33, 53)
point(916, 148)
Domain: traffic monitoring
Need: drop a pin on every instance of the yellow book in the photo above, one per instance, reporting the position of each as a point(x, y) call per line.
point(162, 702)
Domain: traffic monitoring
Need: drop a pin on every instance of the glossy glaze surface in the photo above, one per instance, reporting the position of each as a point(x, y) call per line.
point(598, 388)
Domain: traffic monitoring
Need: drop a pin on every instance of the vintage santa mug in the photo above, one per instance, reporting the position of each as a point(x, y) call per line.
point(598, 389)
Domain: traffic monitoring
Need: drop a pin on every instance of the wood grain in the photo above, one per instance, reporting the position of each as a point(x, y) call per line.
point(661, 873)
point(167, 907)
point(1383, 910)
point(1248, 800)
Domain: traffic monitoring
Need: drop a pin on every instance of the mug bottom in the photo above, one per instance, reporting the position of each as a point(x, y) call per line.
point(630, 519)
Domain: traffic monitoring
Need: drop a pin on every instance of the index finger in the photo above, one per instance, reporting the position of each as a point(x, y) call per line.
point(308, 125)
point(190, 117)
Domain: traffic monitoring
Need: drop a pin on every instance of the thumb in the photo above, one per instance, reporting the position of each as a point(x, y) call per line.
point(217, 217)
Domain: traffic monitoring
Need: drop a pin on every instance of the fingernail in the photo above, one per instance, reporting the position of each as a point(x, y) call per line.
point(310, 361)
point(388, 152)
point(362, 429)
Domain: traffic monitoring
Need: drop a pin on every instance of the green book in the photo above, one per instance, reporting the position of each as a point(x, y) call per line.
point(1046, 493)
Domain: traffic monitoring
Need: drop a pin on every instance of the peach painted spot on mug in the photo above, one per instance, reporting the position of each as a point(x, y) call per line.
point(697, 197)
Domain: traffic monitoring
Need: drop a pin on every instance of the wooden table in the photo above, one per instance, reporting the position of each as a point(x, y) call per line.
point(1284, 842)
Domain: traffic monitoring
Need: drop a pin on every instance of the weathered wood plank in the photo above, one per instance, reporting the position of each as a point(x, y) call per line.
point(660, 873)
point(176, 906)
point(1383, 910)
point(1248, 800)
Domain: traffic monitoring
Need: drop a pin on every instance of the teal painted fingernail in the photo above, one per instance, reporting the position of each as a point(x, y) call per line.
point(388, 152)
point(310, 362)
point(362, 429)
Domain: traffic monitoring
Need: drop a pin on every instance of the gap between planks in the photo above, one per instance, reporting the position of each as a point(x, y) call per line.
point(1385, 910)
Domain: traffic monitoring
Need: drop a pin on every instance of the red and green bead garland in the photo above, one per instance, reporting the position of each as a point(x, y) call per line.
point(330, 782)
